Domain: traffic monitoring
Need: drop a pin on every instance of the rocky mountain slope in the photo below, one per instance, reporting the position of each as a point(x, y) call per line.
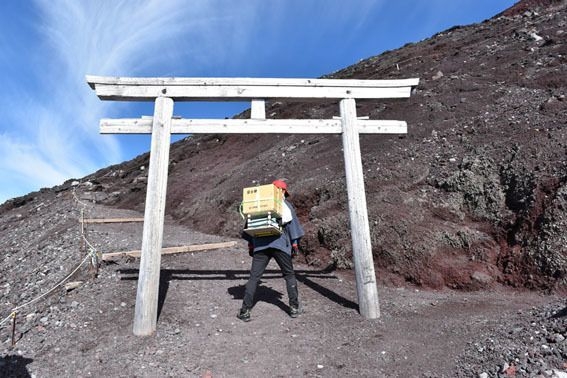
point(474, 195)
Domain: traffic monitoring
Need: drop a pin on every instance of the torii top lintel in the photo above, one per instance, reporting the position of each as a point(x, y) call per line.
point(243, 89)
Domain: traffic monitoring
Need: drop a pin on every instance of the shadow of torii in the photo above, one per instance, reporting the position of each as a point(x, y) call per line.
point(14, 366)
point(263, 293)
point(560, 314)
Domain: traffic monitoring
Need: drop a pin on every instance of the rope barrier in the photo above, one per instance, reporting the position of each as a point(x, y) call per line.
point(77, 199)
point(37, 299)
point(95, 257)
point(15, 309)
point(6, 319)
point(92, 255)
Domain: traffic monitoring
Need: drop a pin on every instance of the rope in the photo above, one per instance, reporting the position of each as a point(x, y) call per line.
point(91, 248)
point(12, 315)
point(92, 255)
point(77, 198)
point(37, 299)
point(15, 309)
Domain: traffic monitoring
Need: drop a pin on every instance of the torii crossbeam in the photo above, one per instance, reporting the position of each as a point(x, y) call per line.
point(164, 91)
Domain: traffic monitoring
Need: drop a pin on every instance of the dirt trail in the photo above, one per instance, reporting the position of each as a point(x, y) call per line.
point(88, 332)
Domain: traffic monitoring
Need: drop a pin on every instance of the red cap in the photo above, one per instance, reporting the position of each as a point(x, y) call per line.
point(282, 185)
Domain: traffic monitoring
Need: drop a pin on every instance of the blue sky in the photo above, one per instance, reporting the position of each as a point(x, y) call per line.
point(49, 115)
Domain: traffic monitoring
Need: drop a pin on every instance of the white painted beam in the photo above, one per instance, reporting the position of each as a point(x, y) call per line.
point(243, 93)
point(93, 80)
point(251, 126)
point(242, 89)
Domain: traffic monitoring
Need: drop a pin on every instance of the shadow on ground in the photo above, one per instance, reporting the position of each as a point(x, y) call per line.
point(560, 314)
point(264, 293)
point(14, 366)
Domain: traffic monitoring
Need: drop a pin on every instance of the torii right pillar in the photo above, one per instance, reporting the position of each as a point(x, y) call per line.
point(366, 288)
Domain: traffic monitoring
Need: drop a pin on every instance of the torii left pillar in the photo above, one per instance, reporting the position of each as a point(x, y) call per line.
point(148, 282)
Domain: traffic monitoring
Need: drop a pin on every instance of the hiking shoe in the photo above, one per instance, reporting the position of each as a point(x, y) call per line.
point(244, 315)
point(294, 312)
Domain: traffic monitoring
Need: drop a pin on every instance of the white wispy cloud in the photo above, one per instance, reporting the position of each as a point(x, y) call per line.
point(50, 128)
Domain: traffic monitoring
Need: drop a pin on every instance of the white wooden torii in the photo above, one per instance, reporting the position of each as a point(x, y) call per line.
point(163, 91)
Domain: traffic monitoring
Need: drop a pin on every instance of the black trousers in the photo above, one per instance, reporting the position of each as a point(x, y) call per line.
point(259, 262)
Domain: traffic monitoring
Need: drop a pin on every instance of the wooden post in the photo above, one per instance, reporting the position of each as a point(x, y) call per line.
point(257, 109)
point(360, 231)
point(145, 318)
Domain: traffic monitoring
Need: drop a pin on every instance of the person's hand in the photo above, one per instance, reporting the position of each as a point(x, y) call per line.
point(250, 249)
point(294, 250)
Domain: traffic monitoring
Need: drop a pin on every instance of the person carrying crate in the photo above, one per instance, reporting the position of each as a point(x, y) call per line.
point(280, 244)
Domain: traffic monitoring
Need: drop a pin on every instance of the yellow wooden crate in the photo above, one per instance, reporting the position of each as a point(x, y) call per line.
point(261, 200)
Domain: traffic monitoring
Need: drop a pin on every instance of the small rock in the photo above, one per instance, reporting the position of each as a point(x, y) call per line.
point(481, 277)
point(73, 285)
point(510, 371)
point(438, 75)
point(536, 37)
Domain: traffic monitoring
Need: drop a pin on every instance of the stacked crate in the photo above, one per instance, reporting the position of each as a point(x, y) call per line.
point(262, 209)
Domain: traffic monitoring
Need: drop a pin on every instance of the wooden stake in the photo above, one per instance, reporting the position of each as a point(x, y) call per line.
point(171, 250)
point(360, 231)
point(14, 314)
point(145, 317)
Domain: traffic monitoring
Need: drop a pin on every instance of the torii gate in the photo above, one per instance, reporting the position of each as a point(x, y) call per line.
point(165, 90)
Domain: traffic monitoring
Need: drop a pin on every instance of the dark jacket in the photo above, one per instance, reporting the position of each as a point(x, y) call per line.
point(292, 232)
